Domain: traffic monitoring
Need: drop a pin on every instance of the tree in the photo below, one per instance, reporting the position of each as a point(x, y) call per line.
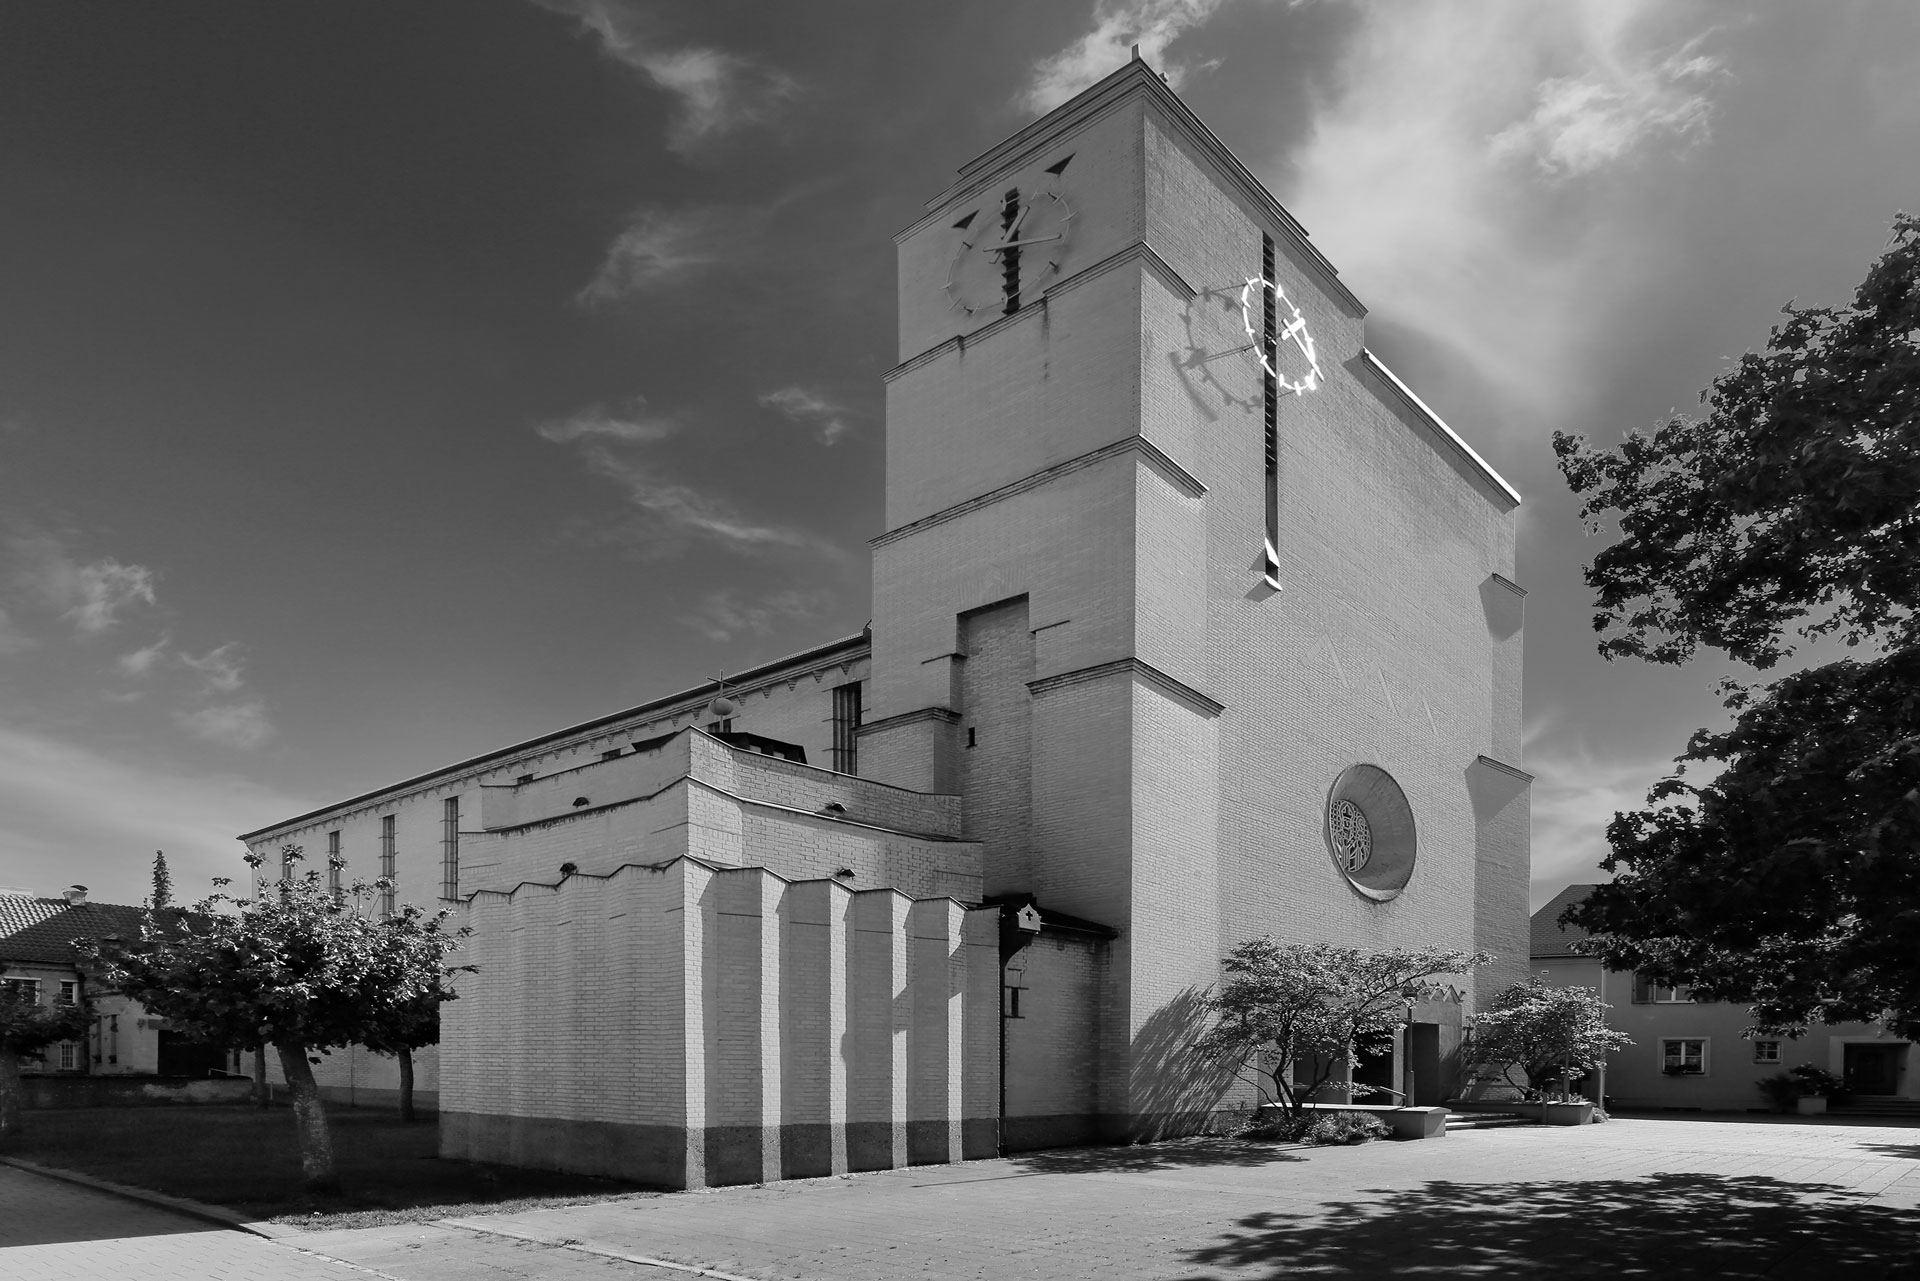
point(26, 1028)
point(297, 967)
point(1545, 1032)
point(162, 883)
point(1786, 513)
point(1297, 1011)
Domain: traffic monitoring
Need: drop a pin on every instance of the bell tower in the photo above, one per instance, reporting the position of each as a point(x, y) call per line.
point(1160, 537)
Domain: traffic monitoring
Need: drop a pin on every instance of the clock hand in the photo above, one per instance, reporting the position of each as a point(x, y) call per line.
point(1015, 244)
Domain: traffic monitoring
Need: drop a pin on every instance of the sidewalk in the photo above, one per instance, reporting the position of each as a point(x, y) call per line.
point(1713, 1197)
point(1654, 1197)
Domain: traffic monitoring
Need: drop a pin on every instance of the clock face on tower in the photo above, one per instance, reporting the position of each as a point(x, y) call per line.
point(1010, 251)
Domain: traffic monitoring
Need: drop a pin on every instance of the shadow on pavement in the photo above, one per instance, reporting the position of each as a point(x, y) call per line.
point(1175, 1154)
point(36, 1209)
point(1666, 1226)
point(1909, 1151)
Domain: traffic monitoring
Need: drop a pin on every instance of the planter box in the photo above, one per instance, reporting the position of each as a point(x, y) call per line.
point(1810, 1104)
point(1566, 1113)
point(1406, 1123)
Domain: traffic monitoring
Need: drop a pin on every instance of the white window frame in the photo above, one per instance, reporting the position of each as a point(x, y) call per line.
point(32, 985)
point(1706, 1060)
point(1766, 1051)
point(68, 992)
point(69, 1056)
point(1659, 994)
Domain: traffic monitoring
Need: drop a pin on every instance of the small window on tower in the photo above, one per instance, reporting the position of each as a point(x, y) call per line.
point(846, 728)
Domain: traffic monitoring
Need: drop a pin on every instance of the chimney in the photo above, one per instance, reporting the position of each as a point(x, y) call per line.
point(74, 894)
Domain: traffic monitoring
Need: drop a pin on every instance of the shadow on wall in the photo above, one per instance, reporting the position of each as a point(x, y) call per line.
point(1175, 1091)
point(1669, 1225)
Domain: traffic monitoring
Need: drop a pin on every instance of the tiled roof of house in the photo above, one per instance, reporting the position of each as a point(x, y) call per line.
point(1550, 938)
point(18, 911)
point(42, 930)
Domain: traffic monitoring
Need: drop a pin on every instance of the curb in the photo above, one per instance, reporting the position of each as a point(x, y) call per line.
point(198, 1209)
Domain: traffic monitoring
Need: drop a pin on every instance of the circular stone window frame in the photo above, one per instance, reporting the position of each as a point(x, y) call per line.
point(1395, 838)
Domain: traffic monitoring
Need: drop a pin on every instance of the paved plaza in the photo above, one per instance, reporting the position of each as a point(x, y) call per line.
point(1705, 1197)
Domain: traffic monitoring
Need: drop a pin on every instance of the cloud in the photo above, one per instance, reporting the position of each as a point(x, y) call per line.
point(220, 666)
point(12, 639)
point(716, 92)
point(1583, 123)
point(660, 246)
point(1118, 25)
point(1437, 172)
point(92, 596)
point(142, 661)
point(68, 813)
point(722, 615)
point(810, 409)
point(627, 422)
point(242, 725)
point(668, 513)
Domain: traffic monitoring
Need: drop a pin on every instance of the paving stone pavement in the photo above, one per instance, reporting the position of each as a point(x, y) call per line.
point(1711, 1197)
point(1676, 1198)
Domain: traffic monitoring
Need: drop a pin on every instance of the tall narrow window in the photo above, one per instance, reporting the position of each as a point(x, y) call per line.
point(286, 864)
point(450, 848)
point(387, 871)
point(334, 862)
point(1010, 258)
point(846, 728)
point(69, 992)
point(1270, 405)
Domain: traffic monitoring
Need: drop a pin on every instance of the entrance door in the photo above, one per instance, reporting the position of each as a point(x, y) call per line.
point(1872, 1069)
point(1375, 1068)
point(1423, 1056)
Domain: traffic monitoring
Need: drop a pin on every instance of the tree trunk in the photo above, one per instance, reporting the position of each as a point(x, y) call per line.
point(261, 1095)
point(406, 1083)
point(309, 1118)
point(12, 1093)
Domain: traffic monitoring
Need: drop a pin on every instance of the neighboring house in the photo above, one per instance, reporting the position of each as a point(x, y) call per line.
point(36, 951)
point(1694, 1054)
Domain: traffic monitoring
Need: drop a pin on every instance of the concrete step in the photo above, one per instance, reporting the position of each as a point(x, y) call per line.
point(1487, 1120)
point(1877, 1107)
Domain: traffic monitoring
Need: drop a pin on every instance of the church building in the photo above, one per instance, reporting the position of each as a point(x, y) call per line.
point(1191, 624)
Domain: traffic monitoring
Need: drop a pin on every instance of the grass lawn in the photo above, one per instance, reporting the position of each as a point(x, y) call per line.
point(247, 1160)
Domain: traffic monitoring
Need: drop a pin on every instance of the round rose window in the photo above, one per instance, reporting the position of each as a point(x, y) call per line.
point(1370, 831)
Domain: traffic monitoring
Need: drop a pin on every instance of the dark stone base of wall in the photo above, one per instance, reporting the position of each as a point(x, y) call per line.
point(674, 1157)
point(425, 1102)
point(54, 1092)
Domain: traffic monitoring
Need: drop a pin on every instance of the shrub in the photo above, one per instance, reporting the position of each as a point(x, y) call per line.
point(1328, 1128)
point(1781, 1089)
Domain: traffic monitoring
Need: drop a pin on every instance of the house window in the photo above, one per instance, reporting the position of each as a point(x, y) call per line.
point(1766, 1051)
point(69, 992)
point(450, 848)
point(1683, 1056)
point(27, 990)
point(846, 728)
point(333, 862)
point(69, 1056)
point(387, 864)
point(720, 727)
point(286, 864)
point(1648, 992)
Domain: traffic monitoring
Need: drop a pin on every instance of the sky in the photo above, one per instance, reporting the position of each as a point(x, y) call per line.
point(382, 384)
